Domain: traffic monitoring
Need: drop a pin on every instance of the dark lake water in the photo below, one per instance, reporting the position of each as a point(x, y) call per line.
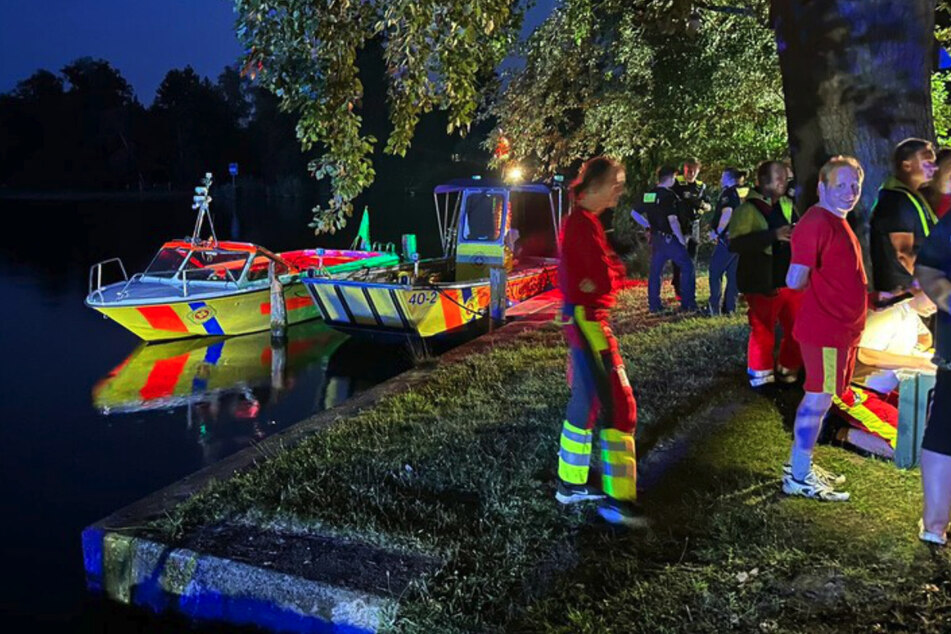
point(90, 421)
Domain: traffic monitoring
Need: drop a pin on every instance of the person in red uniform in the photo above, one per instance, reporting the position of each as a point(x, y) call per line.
point(588, 274)
point(827, 263)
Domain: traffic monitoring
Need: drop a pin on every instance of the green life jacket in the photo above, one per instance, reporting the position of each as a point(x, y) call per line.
point(925, 213)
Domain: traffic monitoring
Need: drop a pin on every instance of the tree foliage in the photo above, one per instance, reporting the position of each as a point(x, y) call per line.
point(621, 80)
point(438, 53)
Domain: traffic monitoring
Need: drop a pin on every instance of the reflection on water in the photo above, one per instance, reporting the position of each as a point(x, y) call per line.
point(91, 420)
point(224, 385)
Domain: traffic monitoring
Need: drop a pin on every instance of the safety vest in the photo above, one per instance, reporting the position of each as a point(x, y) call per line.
point(924, 212)
point(786, 205)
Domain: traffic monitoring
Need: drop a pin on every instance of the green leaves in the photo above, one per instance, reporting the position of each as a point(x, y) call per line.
point(437, 53)
point(623, 78)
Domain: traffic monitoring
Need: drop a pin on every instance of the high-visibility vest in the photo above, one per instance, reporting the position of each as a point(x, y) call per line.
point(923, 215)
point(786, 205)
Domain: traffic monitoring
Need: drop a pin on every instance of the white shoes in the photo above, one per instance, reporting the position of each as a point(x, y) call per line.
point(813, 488)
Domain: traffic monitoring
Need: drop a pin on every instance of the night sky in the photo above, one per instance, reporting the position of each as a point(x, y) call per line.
point(142, 38)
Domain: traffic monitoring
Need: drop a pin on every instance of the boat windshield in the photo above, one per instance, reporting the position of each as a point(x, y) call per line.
point(483, 217)
point(215, 266)
point(167, 262)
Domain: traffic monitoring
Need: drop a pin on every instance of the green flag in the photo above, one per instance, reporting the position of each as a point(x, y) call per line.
point(362, 241)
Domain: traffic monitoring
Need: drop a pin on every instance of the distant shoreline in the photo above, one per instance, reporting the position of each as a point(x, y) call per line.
point(81, 196)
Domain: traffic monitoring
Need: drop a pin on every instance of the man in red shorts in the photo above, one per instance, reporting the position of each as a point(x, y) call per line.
point(827, 264)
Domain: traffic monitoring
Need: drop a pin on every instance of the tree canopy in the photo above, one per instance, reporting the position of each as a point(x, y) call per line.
point(624, 77)
point(438, 54)
point(619, 80)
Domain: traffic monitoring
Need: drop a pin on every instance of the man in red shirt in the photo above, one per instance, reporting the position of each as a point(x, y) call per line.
point(588, 274)
point(827, 264)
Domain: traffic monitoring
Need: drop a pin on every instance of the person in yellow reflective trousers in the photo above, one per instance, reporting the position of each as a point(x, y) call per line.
point(588, 275)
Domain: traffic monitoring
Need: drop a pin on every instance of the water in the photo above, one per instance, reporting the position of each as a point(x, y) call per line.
point(91, 422)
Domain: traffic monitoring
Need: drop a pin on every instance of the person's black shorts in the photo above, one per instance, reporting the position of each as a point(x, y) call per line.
point(938, 431)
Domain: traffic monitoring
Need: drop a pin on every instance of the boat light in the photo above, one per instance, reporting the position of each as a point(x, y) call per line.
point(514, 174)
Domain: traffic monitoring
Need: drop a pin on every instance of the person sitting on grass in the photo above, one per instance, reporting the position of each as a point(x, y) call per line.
point(895, 338)
point(827, 264)
point(588, 275)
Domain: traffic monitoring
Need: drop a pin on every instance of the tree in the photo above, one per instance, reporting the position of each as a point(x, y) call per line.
point(624, 80)
point(438, 55)
point(200, 124)
point(857, 80)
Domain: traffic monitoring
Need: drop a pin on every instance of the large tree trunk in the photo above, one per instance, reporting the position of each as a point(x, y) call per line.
point(856, 76)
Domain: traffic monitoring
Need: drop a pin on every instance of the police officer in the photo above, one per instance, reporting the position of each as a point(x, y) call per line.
point(668, 242)
point(693, 195)
point(902, 219)
point(723, 263)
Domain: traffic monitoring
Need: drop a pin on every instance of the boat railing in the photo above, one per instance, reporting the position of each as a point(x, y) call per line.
point(95, 275)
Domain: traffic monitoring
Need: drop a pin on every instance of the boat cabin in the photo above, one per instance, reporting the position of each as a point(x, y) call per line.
point(486, 224)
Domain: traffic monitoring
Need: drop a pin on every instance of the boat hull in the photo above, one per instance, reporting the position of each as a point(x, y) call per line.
point(228, 314)
point(424, 311)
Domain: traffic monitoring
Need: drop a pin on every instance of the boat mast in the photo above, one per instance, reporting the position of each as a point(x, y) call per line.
point(202, 201)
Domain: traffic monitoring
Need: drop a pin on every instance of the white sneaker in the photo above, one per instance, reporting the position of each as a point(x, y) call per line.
point(812, 488)
point(824, 476)
point(759, 378)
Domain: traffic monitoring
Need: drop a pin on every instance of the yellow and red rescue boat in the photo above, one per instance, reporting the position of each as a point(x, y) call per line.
point(205, 287)
point(483, 225)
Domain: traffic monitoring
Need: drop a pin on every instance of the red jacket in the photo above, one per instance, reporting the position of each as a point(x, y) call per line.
point(589, 270)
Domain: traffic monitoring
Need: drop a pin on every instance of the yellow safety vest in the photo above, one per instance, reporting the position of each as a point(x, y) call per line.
point(786, 205)
point(916, 201)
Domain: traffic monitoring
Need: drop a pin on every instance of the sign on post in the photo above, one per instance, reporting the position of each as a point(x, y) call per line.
point(233, 169)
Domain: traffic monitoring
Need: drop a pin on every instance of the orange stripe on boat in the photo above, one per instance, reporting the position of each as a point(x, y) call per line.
point(293, 303)
point(163, 318)
point(164, 377)
point(450, 310)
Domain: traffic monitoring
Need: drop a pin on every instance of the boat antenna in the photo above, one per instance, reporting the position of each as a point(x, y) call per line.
point(201, 201)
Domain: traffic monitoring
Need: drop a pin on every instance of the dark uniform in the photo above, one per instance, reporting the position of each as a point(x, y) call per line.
point(659, 204)
point(723, 261)
point(936, 254)
point(897, 210)
point(692, 196)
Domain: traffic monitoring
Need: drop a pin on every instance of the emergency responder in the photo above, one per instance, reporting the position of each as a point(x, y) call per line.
point(588, 275)
point(668, 242)
point(933, 272)
point(759, 233)
point(901, 218)
point(827, 266)
point(693, 196)
point(723, 262)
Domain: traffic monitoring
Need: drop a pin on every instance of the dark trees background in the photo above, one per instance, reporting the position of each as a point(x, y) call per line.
point(83, 129)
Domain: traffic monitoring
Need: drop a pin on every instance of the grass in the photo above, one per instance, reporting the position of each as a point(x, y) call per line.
point(464, 468)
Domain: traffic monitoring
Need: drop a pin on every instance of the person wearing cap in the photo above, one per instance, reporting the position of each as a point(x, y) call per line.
point(692, 193)
point(827, 266)
point(723, 263)
point(668, 242)
point(759, 234)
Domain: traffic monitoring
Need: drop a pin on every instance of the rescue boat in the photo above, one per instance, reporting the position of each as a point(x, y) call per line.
point(206, 287)
point(178, 373)
point(482, 225)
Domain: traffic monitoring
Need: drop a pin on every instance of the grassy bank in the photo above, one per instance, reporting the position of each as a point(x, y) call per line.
point(464, 468)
